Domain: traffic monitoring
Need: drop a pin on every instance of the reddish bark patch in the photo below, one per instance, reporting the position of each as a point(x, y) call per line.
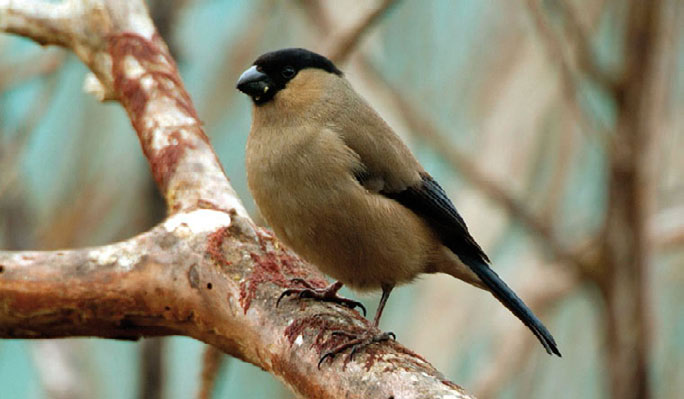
point(164, 163)
point(278, 268)
point(407, 351)
point(266, 269)
point(152, 55)
point(372, 355)
point(319, 323)
point(292, 265)
point(131, 94)
point(277, 265)
point(295, 267)
point(215, 246)
point(322, 323)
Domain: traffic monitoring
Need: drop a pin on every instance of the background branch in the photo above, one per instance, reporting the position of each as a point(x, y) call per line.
point(212, 360)
point(152, 369)
point(570, 82)
point(626, 253)
point(342, 46)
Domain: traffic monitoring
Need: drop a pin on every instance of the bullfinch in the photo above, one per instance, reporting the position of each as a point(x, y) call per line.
point(341, 189)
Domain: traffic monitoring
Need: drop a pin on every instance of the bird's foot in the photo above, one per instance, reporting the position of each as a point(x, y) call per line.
point(327, 294)
point(357, 343)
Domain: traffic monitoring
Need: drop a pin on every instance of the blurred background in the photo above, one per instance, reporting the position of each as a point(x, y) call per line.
point(556, 126)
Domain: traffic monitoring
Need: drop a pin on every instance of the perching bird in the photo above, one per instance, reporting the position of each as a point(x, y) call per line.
point(341, 189)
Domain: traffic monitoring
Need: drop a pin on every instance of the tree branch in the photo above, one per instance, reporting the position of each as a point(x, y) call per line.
point(45, 23)
point(626, 249)
point(584, 54)
point(212, 358)
point(206, 272)
point(31, 67)
point(152, 368)
point(667, 229)
point(342, 45)
point(569, 81)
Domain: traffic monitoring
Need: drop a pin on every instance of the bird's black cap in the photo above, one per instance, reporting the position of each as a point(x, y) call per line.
point(271, 72)
point(297, 58)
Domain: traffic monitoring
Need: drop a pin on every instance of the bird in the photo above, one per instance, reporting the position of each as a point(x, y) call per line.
point(341, 189)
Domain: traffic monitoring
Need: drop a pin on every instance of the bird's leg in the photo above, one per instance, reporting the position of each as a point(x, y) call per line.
point(368, 337)
point(327, 294)
point(386, 289)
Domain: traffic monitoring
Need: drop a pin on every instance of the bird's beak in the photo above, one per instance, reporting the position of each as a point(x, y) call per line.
point(254, 83)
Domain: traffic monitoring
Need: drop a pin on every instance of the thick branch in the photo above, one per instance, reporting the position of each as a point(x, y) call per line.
point(46, 23)
point(214, 278)
point(207, 271)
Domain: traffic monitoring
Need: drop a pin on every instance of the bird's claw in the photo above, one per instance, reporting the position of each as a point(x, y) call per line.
point(356, 344)
point(327, 294)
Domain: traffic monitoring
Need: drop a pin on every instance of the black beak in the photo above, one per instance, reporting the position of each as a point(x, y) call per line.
point(254, 83)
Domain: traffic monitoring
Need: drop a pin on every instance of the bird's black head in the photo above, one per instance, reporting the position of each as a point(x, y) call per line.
point(272, 71)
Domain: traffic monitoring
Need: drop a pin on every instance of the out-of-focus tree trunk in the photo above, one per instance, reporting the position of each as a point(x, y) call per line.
point(625, 246)
point(152, 368)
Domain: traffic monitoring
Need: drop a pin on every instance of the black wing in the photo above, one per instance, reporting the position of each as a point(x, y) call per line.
point(429, 200)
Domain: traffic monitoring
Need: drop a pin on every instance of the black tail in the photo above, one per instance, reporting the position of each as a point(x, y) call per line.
point(429, 200)
point(510, 300)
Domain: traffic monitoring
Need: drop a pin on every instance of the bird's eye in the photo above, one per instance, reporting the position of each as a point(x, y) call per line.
point(288, 72)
